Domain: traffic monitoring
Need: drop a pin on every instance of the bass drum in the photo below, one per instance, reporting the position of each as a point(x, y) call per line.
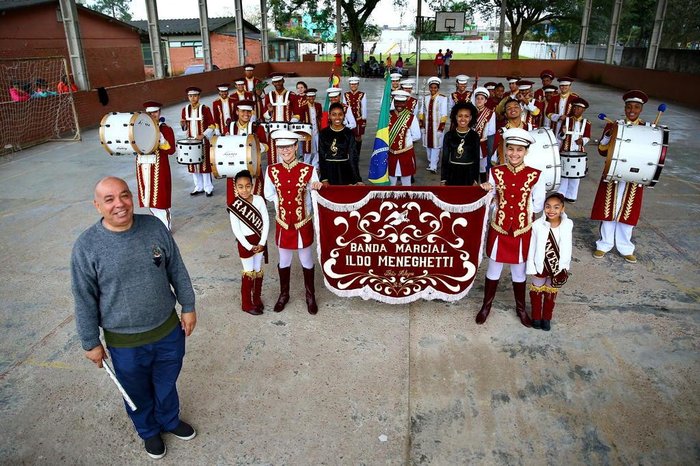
point(129, 133)
point(190, 151)
point(544, 156)
point(232, 154)
point(574, 164)
point(636, 154)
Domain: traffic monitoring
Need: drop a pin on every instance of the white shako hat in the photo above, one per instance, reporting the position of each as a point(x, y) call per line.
point(354, 80)
point(282, 137)
point(401, 96)
point(239, 81)
point(409, 83)
point(333, 91)
point(396, 76)
point(483, 91)
point(311, 92)
point(277, 77)
point(462, 79)
point(517, 137)
point(223, 87)
point(245, 105)
point(434, 80)
point(249, 67)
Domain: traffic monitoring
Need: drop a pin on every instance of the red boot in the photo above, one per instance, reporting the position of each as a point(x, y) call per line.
point(247, 294)
point(536, 302)
point(519, 294)
point(257, 292)
point(284, 288)
point(489, 294)
point(310, 290)
point(549, 299)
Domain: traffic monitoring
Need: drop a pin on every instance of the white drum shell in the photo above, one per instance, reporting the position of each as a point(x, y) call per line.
point(129, 133)
point(232, 154)
point(574, 164)
point(271, 126)
point(306, 128)
point(190, 151)
point(638, 154)
point(543, 155)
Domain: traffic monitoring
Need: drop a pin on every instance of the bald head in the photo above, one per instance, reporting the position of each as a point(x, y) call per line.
point(113, 200)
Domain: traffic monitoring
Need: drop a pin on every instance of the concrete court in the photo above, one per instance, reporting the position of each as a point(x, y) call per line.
point(614, 382)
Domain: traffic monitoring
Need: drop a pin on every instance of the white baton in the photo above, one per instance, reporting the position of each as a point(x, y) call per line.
point(112, 376)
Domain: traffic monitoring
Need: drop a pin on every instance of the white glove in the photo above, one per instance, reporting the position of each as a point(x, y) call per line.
point(555, 117)
point(162, 139)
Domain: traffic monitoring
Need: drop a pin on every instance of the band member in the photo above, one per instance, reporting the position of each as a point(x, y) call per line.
point(395, 86)
point(528, 103)
point(549, 259)
point(243, 126)
point(460, 149)
point(560, 105)
point(517, 194)
point(300, 90)
point(493, 100)
point(198, 123)
point(280, 103)
point(513, 113)
point(242, 94)
point(311, 112)
point(485, 127)
point(574, 135)
point(411, 102)
point(153, 170)
point(288, 184)
point(432, 119)
point(250, 224)
point(512, 94)
point(357, 101)
point(546, 76)
point(461, 94)
point(334, 96)
point(223, 109)
point(403, 131)
point(542, 120)
point(257, 87)
point(337, 155)
point(618, 204)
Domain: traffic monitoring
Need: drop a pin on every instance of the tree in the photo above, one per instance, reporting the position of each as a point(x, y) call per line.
point(118, 9)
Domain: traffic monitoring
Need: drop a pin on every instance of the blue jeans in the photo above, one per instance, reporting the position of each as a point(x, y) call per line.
point(149, 375)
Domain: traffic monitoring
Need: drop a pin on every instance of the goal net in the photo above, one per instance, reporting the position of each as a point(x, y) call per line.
point(36, 104)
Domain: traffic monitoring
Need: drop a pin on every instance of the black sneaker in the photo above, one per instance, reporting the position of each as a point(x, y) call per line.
point(210, 194)
point(546, 325)
point(184, 431)
point(155, 447)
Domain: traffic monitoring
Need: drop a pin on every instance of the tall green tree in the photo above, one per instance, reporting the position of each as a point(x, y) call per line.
point(118, 9)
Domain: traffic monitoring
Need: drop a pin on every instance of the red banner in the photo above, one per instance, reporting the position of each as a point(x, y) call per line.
point(398, 244)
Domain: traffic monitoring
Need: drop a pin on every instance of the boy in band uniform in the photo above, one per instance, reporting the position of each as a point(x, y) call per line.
point(198, 123)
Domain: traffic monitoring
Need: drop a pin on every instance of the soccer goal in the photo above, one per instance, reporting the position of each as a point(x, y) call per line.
point(36, 104)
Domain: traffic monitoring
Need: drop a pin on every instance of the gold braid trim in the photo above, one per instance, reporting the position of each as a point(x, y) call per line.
point(609, 198)
point(632, 190)
point(261, 274)
point(543, 289)
point(249, 274)
point(156, 176)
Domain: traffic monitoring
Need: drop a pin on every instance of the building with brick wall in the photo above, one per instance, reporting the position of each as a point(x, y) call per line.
point(34, 28)
point(184, 43)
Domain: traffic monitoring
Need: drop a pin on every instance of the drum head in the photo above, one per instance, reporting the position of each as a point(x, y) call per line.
point(144, 134)
point(253, 155)
point(611, 149)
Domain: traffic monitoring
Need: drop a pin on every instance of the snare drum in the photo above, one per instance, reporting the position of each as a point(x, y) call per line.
point(636, 154)
point(574, 164)
point(129, 133)
point(190, 151)
point(271, 126)
point(543, 155)
point(304, 129)
point(231, 154)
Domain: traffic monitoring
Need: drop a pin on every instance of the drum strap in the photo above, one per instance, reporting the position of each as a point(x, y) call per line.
point(399, 126)
point(551, 254)
point(247, 213)
point(198, 113)
point(484, 116)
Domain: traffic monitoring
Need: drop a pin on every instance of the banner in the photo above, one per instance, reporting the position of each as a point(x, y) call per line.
point(400, 244)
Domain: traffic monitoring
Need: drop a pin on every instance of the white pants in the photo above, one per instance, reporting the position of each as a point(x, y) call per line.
point(569, 187)
point(517, 271)
point(405, 180)
point(163, 215)
point(202, 181)
point(253, 264)
point(483, 164)
point(615, 234)
point(305, 257)
point(433, 158)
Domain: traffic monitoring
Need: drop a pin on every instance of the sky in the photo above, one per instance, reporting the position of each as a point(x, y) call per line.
point(384, 14)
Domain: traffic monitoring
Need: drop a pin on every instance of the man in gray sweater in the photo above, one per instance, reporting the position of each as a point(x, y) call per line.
point(127, 275)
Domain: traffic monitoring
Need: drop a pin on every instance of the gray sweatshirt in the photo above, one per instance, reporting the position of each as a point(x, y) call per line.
point(122, 280)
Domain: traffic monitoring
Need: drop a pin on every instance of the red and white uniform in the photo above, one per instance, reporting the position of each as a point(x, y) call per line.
point(485, 127)
point(200, 121)
point(498, 156)
point(311, 113)
point(250, 84)
point(571, 130)
point(237, 97)
point(153, 180)
point(280, 107)
point(248, 237)
point(558, 107)
point(403, 131)
point(517, 194)
point(617, 205)
point(224, 113)
point(457, 97)
point(433, 116)
point(235, 129)
point(357, 101)
point(289, 187)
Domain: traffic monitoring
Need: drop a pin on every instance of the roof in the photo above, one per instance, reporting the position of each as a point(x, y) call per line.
point(185, 26)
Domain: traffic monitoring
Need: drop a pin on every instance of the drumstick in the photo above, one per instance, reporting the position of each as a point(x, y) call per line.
point(112, 376)
point(604, 117)
point(662, 109)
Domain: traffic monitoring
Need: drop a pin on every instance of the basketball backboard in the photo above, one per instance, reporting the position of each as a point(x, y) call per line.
point(449, 21)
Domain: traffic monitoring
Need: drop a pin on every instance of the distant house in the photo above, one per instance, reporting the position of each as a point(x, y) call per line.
point(34, 28)
point(184, 43)
point(283, 49)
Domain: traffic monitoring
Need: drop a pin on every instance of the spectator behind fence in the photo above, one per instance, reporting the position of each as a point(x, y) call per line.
point(65, 86)
point(17, 93)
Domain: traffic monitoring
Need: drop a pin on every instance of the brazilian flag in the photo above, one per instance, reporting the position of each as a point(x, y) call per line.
point(379, 160)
